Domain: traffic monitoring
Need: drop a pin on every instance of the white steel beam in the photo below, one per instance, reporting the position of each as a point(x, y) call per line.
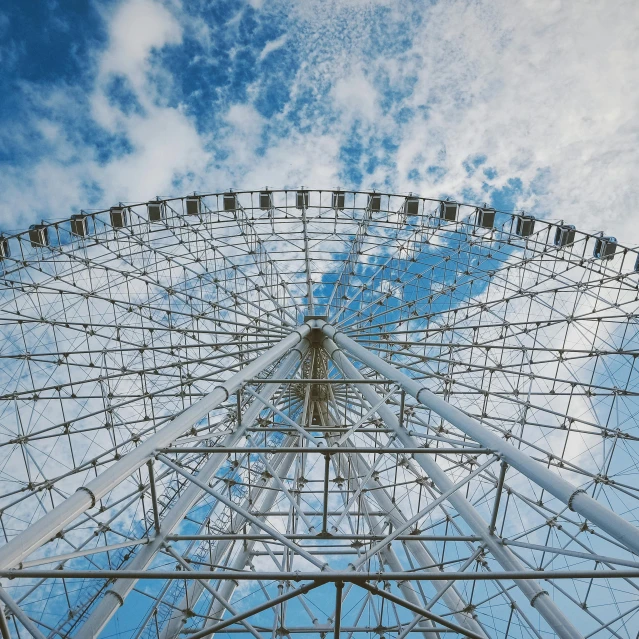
point(359, 468)
point(575, 498)
point(240, 560)
point(210, 630)
point(216, 595)
point(108, 605)
point(20, 615)
point(226, 588)
point(535, 594)
point(257, 521)
point(387, 552)
point(87, 496)
point(195, 589)
point(326, 575)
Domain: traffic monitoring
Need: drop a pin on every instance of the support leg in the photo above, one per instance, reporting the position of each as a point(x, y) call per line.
point(538, 597)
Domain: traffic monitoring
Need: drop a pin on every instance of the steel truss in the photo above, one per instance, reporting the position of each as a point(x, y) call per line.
point(317, 413)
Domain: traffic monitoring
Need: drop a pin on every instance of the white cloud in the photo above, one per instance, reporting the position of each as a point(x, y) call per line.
point(137, 28)
point(542, 90)
point(356, 96)
point(166, 148)
point(531, 98)
point(163, 144)
point(273, 45)
point(299, 160)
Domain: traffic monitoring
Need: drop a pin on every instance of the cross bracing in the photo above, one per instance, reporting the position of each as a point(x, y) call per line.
point(286, 413)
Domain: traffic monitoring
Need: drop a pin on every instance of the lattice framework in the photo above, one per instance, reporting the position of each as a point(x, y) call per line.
point(296, 414)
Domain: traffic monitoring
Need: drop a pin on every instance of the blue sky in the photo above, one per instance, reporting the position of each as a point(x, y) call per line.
point(525, 105)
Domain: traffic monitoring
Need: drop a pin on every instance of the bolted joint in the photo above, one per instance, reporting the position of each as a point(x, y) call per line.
point(536, 596)
point(572, 497)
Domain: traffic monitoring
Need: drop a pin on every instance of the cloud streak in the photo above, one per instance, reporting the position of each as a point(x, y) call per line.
point(525, 106)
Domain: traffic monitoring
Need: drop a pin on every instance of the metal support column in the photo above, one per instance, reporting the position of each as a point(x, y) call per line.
point(538, 597)
point(107, 606)
point(19, 614)
point(337, 623)
point(87, 496)
point(452, 599)
point(575, 498)
point(498, 491)
point(239, 561)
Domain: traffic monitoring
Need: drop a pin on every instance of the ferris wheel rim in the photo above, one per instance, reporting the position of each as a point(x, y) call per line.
point(280, 325)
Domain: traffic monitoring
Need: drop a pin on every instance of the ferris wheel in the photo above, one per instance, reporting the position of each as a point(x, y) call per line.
point(320, 413)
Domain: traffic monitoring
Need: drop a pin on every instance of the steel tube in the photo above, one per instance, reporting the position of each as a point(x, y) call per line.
point(154, 498)
point(536, 595)
point(327, 451)
point(87, 496)
point(575, 498)
point(500, 487)
point(195, 589)
point(327, 464)
point(326, 575)
point(322, 630)
point(20, 615)
point(195, 480)
point(206, 632)
point(306, 435)
point(452, 598)
point(334, 537)
point(329, 380)
point(107, 606)
point(217, 596)
point(339, 587)
point(390, 558)
point(237, 563)
point(422, 611)
point(51, 559)
point(4, 626)
point(550, 550)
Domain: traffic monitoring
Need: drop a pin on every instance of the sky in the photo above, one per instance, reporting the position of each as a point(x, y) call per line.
point(524, 105)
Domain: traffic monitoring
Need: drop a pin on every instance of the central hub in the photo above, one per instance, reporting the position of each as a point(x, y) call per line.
point(315, 336)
